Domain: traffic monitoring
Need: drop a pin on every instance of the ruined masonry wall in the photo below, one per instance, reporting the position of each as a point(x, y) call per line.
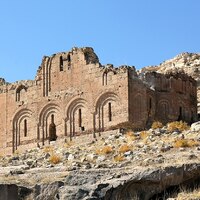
point(76, 93)
point(71, 86)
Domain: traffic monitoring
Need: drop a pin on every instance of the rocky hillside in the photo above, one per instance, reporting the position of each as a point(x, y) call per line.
point(187, 62)
point(153, 164)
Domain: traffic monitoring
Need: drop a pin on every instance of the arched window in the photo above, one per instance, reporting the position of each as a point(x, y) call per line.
point(104, 81)
point(61, 63)
point(52, 118)
point(17, 95)
point(109, 112)
point(80, 117)
point(25, 128)
point(20, 92)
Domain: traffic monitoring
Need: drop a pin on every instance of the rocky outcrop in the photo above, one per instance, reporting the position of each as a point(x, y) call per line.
point(119, 184)
point(187, 62)
point(116, 166)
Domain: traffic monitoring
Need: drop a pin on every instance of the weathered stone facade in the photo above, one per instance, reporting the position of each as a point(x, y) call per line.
point(73, 93)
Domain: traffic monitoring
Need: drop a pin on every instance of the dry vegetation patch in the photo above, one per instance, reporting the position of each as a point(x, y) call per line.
point(105, 150)
point(156, 125)
point(144, 134)
point(185, 143)
point(48, 149)
point(189, 195)
point(124, 148)
point(68, 144)
point(54, 159)
point(118, 158)
point(130, 136)
point(177, 125)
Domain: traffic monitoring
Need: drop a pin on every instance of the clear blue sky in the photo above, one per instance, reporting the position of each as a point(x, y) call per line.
point(132, 32)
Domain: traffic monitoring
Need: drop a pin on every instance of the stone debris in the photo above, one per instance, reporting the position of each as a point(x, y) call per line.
point(109, 157)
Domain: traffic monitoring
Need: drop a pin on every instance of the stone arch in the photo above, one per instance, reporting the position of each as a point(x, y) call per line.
point(45, 117)
point(19, 90)
point(107, 76)
point(106, 109)
point(163, 110)
point(20, 117)
point(77, 116)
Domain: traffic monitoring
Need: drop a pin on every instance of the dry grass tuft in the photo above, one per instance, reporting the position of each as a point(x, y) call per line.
point(144, 135)
point(68, 144)
point(130, 137)
point(177, 125)
point(156, 125)
point(124, 148)
point(104, 150)
point(16, 153)
point(48, 149)
point(189, 195)
point(54, 159)
point(119, 158)
point(185, 143)
point(129, 134)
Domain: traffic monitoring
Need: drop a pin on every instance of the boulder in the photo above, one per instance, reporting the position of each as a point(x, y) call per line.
point(195, 126)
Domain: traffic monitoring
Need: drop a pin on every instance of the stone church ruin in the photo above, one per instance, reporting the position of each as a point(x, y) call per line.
point(74, 94)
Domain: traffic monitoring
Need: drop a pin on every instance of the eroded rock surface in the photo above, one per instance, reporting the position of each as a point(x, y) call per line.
point(148, 164)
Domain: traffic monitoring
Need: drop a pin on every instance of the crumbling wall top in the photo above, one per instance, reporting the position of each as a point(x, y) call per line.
point(2, 81)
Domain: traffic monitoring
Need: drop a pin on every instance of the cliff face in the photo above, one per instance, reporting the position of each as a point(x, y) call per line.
point(187, 62)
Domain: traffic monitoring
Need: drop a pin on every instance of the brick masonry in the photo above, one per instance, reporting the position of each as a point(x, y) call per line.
point(78, 94)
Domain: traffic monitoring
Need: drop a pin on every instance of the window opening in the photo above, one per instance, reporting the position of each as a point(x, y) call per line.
point(61, 63)
point(25, 128)
point(80, 118)
point(18, 96)
point(109, 112)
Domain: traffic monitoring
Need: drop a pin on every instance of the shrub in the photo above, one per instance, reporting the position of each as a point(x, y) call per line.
point(156, 125)
point(177, 125)
point(104, 150)
point(144, 134)
point(118, 158)
point(185, 143)
point(124, 148)
point(54, 159)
